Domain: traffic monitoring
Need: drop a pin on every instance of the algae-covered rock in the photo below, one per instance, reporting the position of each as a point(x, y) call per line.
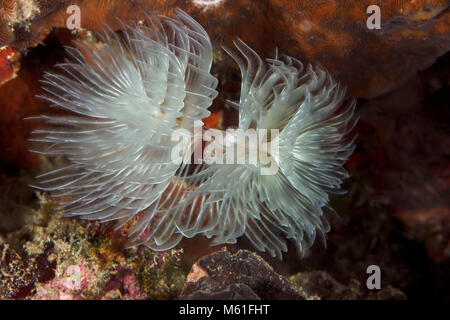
point(66, 258)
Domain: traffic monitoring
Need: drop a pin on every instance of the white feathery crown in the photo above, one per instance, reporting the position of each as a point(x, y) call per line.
point(124, 100)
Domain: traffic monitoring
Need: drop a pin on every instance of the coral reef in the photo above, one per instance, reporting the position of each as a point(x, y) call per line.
point(64, 259)
point(396, 214)
point(323, 285)
point(243, 275)
point(334, 33)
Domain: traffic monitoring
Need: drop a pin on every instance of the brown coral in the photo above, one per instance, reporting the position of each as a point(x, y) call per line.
point(243, 275)
point(333, 33)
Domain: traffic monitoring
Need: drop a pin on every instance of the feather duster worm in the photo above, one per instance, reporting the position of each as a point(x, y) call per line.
point(129, 97)
point(126, 100)
point(304, 105)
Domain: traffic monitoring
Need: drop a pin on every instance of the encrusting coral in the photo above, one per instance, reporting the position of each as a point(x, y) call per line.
point(64, 259)
point(369, 61)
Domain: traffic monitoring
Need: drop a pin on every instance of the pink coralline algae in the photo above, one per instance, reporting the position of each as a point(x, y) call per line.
point(76, 280)
point(65, 260)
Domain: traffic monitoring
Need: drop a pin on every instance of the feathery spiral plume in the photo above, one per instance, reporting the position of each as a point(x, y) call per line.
point(126, 100)
point(305, 106)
